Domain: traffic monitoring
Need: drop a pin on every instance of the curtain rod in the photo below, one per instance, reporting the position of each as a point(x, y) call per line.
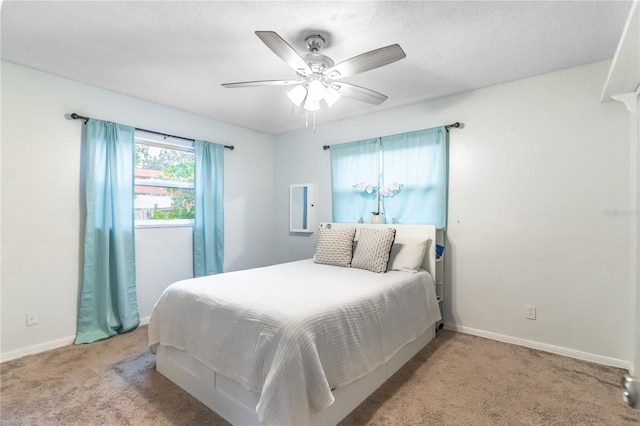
point(75, 116)
point(457, 125)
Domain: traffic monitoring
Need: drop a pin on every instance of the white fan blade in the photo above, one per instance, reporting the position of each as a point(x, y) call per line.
point(366, 61)
point(359, 93)
point(284, 51)
point(261, 83)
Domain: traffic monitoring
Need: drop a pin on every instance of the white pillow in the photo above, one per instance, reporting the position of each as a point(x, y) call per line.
point(407, 255)
point(335, 246)
point(373, 248)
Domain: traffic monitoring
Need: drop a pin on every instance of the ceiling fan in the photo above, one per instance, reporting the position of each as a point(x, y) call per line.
point(318, 78)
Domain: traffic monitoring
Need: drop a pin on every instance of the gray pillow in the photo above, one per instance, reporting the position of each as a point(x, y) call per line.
point(372, 249)
point(407, 255)
point(335, 246)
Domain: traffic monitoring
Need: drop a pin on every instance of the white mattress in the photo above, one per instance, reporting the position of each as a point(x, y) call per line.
point(294, 331)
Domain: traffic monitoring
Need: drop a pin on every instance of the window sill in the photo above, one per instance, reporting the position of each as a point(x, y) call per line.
point(173, 223)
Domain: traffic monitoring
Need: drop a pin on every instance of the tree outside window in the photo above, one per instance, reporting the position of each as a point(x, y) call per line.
point(164, 183)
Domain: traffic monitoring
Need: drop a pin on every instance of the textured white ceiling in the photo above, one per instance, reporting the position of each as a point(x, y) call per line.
point(179, 53)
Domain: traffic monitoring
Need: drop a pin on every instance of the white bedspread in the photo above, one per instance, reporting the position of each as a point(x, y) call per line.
point(294, 331)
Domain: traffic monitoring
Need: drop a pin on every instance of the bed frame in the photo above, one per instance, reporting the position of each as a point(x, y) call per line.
point(237, 405)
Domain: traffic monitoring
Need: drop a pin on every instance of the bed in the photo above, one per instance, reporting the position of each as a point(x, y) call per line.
point(303, 342)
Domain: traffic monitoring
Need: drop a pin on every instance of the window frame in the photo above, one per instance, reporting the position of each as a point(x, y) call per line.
point(142, 139)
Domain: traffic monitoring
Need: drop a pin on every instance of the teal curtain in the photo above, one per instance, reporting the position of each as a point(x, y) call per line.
point(415, 177)
point(108, 302)
point(406, 175)
point(208, 230)
point(355, 170)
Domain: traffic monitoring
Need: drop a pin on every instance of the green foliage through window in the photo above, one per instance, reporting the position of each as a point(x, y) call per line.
point(161, 165)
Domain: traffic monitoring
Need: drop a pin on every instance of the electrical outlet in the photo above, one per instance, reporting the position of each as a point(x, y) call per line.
point(531, 312)
point(32, 318)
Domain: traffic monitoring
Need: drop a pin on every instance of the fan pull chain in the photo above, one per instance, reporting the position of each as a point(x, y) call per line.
point(306, 120)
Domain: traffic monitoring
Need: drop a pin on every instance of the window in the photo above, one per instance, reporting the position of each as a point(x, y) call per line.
point(164, 193)
point(402, 178)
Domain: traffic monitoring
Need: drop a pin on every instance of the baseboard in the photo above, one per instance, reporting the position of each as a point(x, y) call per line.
point(559, 350)
point(48, 346)
point(36, 349)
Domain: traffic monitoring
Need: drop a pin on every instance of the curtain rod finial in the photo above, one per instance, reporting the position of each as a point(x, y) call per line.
point(75, 116)
point(456, 125)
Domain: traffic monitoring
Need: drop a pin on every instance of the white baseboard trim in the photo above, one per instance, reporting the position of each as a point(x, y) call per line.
point(559, 350)
point(36, 349)
point(48, 346)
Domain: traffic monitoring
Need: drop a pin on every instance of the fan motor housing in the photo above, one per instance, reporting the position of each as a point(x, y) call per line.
point(316, 61)
point(314, 42)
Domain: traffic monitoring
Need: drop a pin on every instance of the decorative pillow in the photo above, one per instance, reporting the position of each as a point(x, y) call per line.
point(335, 246)
point(373, 248)
point(407, 255)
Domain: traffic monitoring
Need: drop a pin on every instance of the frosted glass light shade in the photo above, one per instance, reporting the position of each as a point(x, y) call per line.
point(331, 96)
point(297, 95)
point(309, 95)
point(316, 90)
point(311, 105)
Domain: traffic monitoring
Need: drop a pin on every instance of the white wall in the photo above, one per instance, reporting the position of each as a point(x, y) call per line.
point(41, 203)
point(163, 256)
point(635, 317)
point(533, 174)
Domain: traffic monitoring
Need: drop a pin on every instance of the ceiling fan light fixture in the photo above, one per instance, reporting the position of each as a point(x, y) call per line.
point(317, 90)
point(317, 72)
point(311, 105)
point(297, 95)
point(331, 96)
point(316, 86)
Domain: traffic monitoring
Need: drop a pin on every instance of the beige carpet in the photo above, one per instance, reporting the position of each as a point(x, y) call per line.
point(456, 380)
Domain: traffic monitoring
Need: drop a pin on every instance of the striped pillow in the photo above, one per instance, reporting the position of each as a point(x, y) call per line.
point(335, 246)
point(373, 248)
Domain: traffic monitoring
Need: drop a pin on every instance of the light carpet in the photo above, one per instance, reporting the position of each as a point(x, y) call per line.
point(457, 379)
